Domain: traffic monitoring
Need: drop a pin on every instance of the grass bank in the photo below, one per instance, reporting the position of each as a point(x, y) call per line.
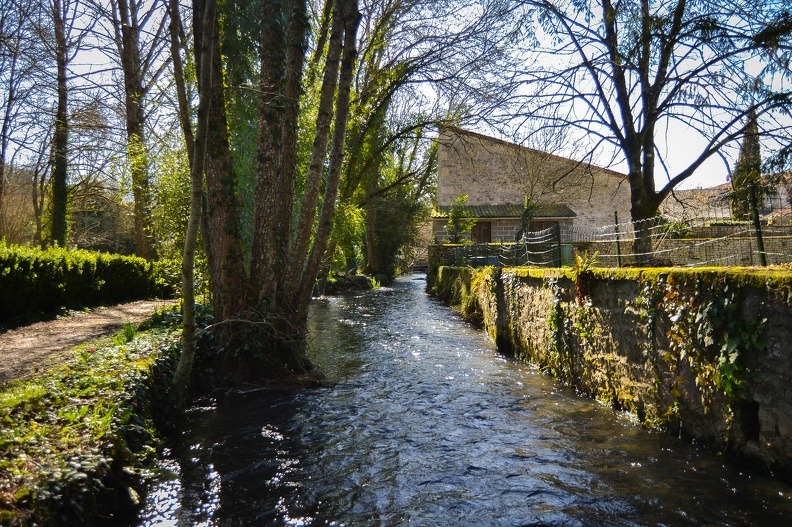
point(79, 441)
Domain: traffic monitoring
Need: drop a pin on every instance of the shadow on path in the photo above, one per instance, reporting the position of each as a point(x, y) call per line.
point(27, 349)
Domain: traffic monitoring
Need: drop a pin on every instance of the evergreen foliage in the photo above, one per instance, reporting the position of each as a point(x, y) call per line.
point(747, 172)
point(79, 441)
point(35, 281)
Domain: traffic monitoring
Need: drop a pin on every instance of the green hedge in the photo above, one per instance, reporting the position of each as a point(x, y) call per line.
point(34, 281)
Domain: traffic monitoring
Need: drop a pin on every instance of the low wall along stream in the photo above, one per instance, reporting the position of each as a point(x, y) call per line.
point(702, 353)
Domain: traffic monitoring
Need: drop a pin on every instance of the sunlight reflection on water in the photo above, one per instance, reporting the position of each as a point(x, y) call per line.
point(428, 425)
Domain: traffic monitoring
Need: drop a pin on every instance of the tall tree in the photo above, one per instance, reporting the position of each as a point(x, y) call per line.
point(280, 288)
point(632, 72)
point(138, 31)
point(776, 40)
point(204, 57)
point(221, 216)
point(23, 61)
point(747, 171)
point(127, 28)
point(60, 137)
point(69, 25)
point(12, 34)
point(263, 315)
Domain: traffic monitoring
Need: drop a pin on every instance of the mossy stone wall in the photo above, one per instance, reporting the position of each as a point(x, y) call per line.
point(701, 353)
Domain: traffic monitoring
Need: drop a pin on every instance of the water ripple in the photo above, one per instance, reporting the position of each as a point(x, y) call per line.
point(428, 426)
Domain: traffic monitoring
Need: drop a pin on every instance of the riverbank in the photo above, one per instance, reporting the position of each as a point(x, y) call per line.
point(700, 353)
point(79, 441)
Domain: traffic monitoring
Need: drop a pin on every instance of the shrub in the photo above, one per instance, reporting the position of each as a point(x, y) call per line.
point(459, 222)
point(35, 281)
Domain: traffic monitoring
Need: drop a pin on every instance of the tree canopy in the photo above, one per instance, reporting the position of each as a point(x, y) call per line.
point(630, 74)
point(284, 139)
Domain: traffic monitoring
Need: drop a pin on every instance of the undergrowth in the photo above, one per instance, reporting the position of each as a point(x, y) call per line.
point(77, 441)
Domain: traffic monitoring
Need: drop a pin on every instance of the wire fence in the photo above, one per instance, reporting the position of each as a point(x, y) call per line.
point(701, 234)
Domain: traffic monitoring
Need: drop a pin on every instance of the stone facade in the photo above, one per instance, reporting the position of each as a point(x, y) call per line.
point(702, 206)
point(494, 172)
point(503, 229)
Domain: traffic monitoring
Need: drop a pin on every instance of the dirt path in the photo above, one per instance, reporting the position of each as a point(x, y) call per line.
point(27, 349)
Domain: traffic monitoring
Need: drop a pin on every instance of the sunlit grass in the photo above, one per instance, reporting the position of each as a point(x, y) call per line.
point(72, 422)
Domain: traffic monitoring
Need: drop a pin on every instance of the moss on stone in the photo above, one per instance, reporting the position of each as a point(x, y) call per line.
point(681, 349)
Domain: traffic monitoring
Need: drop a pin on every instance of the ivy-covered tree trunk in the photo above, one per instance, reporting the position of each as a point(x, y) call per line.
point(269, 337)
point(261, 315)
point(284, 38)
point(60, 136)
point(222, 239)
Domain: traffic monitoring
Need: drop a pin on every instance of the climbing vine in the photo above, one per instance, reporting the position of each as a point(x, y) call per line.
point(558, 347)
point(690, 330)
point(649, 304)
point(707, 334)
point(581, 275)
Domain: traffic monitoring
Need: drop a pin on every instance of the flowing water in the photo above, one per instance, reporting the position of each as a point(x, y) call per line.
point(428, 426)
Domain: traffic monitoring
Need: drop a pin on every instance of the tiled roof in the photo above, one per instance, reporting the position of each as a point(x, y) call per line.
point(542, 210)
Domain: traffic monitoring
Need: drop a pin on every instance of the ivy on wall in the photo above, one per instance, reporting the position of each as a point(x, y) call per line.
point(707, 333)
point(691, 324)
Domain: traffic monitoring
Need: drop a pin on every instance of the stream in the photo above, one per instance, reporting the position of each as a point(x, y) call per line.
point(427, 425)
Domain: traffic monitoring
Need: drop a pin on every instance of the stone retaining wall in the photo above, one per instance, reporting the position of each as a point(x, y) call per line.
point(704, 354)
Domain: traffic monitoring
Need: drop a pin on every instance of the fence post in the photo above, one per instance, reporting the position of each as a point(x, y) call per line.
point(618, 239)
point(558, 245)
point(758, 226)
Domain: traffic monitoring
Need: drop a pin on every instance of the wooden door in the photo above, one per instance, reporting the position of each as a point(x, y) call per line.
point(482, 232)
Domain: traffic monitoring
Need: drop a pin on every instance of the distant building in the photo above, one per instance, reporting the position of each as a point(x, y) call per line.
point(702, 206)
point(498, 177)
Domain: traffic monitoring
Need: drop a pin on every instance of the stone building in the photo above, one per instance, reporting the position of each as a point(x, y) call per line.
point(702, 206)
point(498, 177)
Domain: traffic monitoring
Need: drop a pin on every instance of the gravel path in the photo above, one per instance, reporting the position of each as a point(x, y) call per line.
point(27, 349)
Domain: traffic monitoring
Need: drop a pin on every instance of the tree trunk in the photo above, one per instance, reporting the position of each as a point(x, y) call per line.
point(137, 152)
point(265, 344)
point(187, 358)
point(5, 131)
point(268, 249)
point(643, 210)
point(296, 44)
point(351, 16)
point(372, 260)
point(222, 240)
point(174, 31)
point(301, 240)
point(60, 137)
point(271, 343)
